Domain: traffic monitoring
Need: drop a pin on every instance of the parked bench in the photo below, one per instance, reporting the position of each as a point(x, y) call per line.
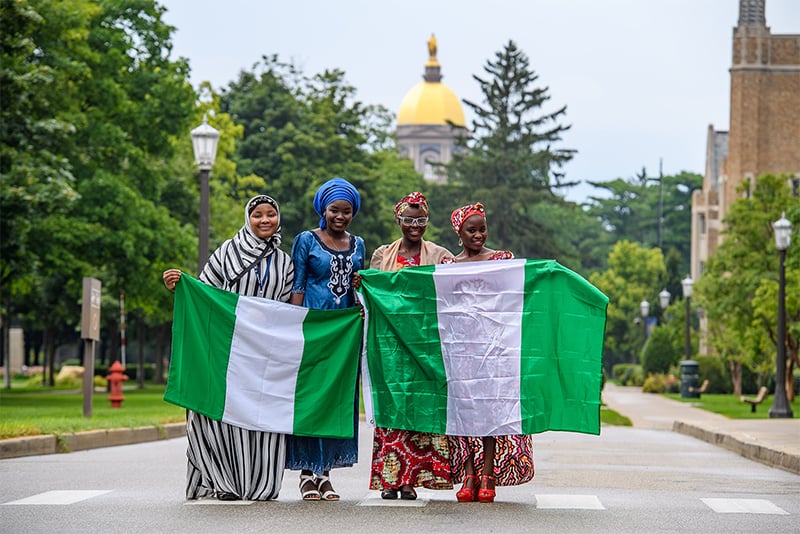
point(699, 391)
point(755, 401)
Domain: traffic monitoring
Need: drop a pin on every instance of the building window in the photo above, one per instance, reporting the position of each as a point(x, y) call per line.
point(702, 223)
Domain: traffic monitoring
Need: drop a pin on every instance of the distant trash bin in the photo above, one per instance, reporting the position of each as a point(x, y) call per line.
point(690, 379)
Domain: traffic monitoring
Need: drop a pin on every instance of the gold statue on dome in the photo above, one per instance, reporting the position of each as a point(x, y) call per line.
point(432, 47)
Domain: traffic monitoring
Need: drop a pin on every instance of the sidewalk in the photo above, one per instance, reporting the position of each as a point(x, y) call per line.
point(775, 442)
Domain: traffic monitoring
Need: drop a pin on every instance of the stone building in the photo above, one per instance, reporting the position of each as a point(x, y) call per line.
point(429, 120)
point(764, 134)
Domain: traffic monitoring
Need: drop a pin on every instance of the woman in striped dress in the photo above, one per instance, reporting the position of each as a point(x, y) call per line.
point(226, 461)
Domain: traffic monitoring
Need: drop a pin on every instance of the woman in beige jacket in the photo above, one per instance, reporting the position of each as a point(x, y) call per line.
point(402, 459)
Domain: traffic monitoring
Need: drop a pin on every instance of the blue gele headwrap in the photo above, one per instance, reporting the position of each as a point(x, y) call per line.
point(333, 190)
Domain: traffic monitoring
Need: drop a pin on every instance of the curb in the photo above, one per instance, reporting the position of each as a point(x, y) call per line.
point(53, 444)
point(770, 457)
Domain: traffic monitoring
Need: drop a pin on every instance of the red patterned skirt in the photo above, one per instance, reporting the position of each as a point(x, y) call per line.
point(513, 458)
point(402, 457)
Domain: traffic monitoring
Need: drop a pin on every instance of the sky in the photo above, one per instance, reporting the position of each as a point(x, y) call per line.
point(642, 79)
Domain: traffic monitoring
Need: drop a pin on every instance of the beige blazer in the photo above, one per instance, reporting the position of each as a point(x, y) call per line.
point(385, 256)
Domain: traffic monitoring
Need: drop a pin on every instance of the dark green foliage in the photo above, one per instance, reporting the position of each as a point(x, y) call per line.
point(659, 353)
point(509, 164)
point(712, 368)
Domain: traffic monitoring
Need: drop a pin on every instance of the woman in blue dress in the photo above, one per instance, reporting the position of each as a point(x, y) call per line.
point(325, 259)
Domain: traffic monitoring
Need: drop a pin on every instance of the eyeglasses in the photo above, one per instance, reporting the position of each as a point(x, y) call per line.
point(410, 221)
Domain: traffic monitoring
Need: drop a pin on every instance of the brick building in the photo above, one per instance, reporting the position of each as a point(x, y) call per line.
point(764, 134)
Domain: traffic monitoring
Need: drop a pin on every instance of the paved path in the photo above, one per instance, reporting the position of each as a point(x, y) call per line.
point(775, 442)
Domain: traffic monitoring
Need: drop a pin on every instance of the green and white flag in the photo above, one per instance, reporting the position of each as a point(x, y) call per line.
point(264, 365)
point(483, 348)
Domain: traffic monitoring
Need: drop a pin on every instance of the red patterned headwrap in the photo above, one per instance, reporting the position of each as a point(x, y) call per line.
point(412, 198)
point(462, 214)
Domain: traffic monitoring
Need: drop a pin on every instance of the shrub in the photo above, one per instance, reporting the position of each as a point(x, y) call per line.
point(661, 383)
point(659, 353)
point(628, 374)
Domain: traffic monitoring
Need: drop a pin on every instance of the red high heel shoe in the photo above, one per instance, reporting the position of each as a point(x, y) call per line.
point(468, 494)
point(485, 494)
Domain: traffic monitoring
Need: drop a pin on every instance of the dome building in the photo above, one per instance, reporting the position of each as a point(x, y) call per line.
point(429, 120)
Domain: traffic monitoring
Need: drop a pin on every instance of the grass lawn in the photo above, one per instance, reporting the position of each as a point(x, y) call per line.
point(731, 406)
point(35, 411)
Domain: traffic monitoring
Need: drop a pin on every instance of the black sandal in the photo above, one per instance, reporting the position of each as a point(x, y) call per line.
point(408, 495)
point(389, 493)
point(226, 496)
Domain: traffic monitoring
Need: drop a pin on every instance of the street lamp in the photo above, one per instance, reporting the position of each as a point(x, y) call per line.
point(204, 142)
point(783, 237)
point(644, 308)
point(663, 299)
point(687, 284)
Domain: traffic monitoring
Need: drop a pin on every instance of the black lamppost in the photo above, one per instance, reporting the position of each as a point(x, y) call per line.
point(204, 142)
point(687, 284)
point(783, 237)
point(690, 369)
point(663, 299)
point(644, 309)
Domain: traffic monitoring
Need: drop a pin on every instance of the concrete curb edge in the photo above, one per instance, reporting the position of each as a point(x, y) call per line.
point(752, 451)
point(52, 444)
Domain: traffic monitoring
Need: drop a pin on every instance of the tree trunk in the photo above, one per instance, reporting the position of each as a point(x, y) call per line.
point(48, 373)
point(735, 369)
point(160, 343)
point(140, 362)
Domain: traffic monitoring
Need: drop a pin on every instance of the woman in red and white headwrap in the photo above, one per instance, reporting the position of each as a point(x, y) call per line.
point(483, 462)
point(403, 459)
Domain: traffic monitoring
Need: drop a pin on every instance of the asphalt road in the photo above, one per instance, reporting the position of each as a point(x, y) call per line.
point(625, 480)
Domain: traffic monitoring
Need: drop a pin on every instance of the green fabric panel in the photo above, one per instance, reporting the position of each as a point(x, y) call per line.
point(561, 356)
point(202, 331)
point(408, 375)
point(328, 370)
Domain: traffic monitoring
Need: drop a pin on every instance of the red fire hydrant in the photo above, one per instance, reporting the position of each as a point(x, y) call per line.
point(115, 379)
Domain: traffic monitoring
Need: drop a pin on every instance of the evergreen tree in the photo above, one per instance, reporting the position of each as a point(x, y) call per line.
point(508, 162)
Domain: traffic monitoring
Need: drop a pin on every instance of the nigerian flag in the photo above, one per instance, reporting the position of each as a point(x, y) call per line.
point(483, 348)
point(264, 365)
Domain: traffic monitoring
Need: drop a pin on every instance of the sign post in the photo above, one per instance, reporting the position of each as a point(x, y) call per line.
point(90, 333)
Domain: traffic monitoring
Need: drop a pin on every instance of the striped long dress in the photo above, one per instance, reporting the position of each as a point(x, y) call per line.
point(222, 457)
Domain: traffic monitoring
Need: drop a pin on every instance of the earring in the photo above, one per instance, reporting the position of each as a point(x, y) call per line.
point(460, 244)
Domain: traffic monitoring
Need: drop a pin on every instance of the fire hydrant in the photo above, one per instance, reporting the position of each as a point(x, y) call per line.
point(115, 379)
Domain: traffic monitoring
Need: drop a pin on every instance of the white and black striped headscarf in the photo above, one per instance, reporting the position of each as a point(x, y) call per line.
point(233, 265)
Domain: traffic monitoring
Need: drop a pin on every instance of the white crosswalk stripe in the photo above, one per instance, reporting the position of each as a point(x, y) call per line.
point(60, 497)
point(744, 506)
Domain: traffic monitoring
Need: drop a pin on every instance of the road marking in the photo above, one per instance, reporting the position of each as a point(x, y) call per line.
point(568, 502)
point(216, 502)
point(744, 506)
point(59, 497)
point(400, 503)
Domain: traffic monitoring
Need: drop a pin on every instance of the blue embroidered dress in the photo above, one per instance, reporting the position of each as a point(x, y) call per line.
point(324, 276)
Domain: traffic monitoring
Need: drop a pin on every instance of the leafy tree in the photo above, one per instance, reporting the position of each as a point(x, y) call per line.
point(630, 210)
point(632, 276)
point(300, 131)
point(87, 144)
point(740, 281)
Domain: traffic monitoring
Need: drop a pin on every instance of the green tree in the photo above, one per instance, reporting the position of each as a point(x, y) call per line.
point(741, 278)
point(300, 131)
point(508, 161)
point(88, 142)
point(632, 276)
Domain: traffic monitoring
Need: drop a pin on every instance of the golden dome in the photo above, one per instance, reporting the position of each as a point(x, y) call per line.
point(430, 103)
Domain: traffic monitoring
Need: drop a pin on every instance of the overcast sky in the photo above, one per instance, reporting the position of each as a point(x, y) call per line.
point(641, 79)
